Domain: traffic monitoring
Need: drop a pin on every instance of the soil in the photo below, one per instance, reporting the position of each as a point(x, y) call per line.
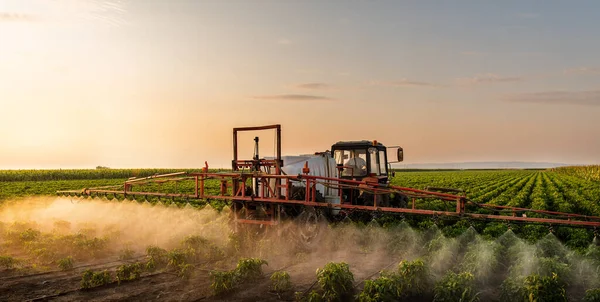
point(29, 285)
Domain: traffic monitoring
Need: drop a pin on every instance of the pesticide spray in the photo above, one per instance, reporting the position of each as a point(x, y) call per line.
point(30, 225)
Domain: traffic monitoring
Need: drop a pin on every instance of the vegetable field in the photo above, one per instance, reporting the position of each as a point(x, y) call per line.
point(585, 172)
point(72, 249)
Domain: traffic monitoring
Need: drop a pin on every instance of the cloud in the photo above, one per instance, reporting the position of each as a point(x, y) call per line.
point(587, 98)
point(8, 17)
point(314, 86)
point(293, 97)
point(582, 71)
point(404, 83)
point(489, 78)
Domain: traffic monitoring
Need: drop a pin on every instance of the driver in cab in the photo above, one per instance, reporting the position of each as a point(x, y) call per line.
point(356, 165)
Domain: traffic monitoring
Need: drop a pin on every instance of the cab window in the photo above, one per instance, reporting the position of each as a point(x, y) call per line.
point(382, 163)
point(354, 162)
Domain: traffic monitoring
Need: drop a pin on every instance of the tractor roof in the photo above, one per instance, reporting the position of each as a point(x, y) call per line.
point(361, 143)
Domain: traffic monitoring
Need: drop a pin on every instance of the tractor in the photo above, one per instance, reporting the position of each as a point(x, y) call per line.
point(349, 181)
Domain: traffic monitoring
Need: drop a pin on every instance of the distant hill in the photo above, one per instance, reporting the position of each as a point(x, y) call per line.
point(482, 165)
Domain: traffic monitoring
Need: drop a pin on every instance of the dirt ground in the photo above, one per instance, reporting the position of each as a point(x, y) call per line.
point(127, 224)
point(22, 285)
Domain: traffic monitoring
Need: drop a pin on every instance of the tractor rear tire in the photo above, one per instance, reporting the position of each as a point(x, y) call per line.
point(310, 227)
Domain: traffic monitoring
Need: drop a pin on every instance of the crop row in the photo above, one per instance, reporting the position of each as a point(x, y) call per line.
point(585, 172)
point(73, 174)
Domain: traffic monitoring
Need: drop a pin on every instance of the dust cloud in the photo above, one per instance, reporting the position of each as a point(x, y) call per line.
point(367, 248)
point(131, 223)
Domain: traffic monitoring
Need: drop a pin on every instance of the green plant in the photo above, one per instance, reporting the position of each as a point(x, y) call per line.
point(385, 288)
point(185, 271)
point(410, 280)
point(455, 287)
point(198, 248)
point(65, 263)
point(313, 296)
point(157, 258)
point(8, 262)
point(250, 268)
point(176, 258)
point(29, 235)
point(414, 277)
point(223, 282)
point(592, 295)
point(280, 281)
point(89, 247)
point(544, 288)
point(512, 289)
point(336, 280)
point(44, 254)
point(126, 254)
point(91, 279)
point(129, 272)
point(246, 270)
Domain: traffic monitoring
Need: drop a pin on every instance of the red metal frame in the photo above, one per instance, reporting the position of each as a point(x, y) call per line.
point(267, 196)
point(272, 185)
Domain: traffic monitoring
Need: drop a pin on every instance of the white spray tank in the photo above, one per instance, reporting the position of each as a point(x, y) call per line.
point(321, 164)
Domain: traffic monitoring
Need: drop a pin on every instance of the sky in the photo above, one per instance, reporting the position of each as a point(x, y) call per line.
point(132, 84)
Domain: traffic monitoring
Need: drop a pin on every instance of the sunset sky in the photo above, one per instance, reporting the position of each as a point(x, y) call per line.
point(162, 83)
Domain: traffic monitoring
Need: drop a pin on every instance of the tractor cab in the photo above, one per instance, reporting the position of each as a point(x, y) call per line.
point(360, 159)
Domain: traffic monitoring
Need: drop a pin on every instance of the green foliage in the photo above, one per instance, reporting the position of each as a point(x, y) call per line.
point(90, 247)
point(456, 287)
point(91, 279)
point(223, 282)
point(65, 263)
point(280, 281)
point(592, 295)
point(198, 248)
point(586, 172)
point(29, 235)
point(544, 288)
point(494, 230)
point(512, 289)
point(8, 262)
point(385, 288)
point(550, 246)
point(246, 270)
point(313, 296)
point(336, 280)
point(195, 241)
point(176, 258)
point(411, 280)
point(250, 268)
point(43, 254)
point(129, 271)
point(414, 277)
point(185, 271)
point(126, 254)
point(70, 174)
point(547, 282)
point(156, 258)
point(548, 266)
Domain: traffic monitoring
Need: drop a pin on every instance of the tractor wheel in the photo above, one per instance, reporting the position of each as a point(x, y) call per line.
point(310, 228)
point(400, 201)
point(253, 232)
